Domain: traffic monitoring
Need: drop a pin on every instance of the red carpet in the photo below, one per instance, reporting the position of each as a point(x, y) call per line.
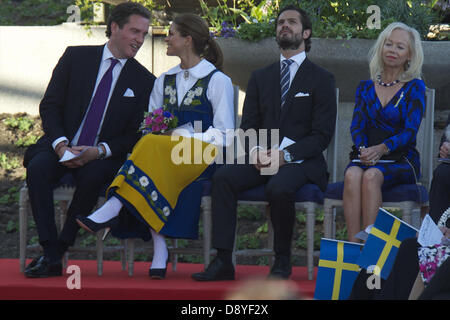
point(116, 284)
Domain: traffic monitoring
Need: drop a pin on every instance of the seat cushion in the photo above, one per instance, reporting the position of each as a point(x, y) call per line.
point(398, 193)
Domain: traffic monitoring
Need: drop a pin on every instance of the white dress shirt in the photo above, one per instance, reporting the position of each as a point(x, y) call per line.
point(220, 93)
point(293, 68)
point(104, 66)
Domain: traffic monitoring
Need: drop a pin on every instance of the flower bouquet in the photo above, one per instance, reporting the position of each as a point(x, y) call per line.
point(158, 121)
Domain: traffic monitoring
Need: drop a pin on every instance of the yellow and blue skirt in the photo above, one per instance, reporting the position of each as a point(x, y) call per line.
point(161, 186)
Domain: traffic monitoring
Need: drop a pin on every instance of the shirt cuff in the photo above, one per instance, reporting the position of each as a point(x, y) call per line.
point(108, 150)
point(60, 139)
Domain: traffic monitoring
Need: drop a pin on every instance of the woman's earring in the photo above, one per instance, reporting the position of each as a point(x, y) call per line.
point(407, 64)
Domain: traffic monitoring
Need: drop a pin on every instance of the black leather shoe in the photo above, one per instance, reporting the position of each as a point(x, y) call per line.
point(44, 268)
point(217, 270)
point(33, 263)
point(281, 268)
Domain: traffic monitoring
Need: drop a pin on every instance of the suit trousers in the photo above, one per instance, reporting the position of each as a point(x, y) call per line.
point(440, 191)
point(231, 179)
point(43, 172)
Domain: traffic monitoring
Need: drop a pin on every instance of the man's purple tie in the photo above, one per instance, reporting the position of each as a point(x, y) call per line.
point(95, 113)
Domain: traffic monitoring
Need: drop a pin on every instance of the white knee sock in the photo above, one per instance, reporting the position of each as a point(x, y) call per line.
point(109, 210)
point(160, 253)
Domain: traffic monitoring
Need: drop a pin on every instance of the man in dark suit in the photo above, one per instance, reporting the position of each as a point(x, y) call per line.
point(297, 99)
point(92, 108)
point(440, 185)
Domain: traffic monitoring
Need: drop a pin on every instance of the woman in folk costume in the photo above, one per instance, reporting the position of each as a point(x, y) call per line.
point(160, 185)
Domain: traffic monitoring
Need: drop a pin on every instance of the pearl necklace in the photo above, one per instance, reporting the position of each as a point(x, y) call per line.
point(443, 220)
point(390, 84)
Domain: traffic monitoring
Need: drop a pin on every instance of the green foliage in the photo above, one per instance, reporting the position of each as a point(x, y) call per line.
point(23, 124)
point(249, 212)
point(264, 228)
point(338, 19)
point(26, 141)
point(33, 12)
point(12, 226)
point(247, 241)
point(11, 197)
point(414, 13)
point(256, 31)
point(9, 163)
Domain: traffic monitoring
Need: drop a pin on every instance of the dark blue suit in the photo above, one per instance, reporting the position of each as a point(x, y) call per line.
point(309, 120)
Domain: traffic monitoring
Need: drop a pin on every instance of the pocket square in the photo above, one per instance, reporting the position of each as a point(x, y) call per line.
point(301, 94)
point(129, 93)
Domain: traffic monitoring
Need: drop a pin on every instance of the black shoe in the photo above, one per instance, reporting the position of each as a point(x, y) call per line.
point(159, 273)
point(44, 268)
point(33, 263)
point(91, 226)
point(281, 268)
point(217, 270)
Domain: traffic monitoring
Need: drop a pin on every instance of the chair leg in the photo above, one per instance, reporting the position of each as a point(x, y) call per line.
point(269, 236)
point(99, 254)
point(407, 208)
point(63, 205)
point(175, 255)
point(328, 220)
point(207, 229)
point(310, 223)
point(23, 226)
point(123, 254)
point(130, 259)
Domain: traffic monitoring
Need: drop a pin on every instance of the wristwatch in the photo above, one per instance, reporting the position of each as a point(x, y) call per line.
point(101, 153)
point(287, 156)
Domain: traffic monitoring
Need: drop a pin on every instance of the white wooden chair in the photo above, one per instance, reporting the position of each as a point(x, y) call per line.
point(63, 195)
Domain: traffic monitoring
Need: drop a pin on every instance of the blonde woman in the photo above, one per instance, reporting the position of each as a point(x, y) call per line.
point(387, 115)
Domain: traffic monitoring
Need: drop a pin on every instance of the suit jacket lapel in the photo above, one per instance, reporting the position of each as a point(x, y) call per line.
point(299, 79)
point(275, 75)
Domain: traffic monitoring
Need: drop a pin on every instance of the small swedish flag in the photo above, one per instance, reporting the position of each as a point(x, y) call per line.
point(337, 269)
point(383, 242)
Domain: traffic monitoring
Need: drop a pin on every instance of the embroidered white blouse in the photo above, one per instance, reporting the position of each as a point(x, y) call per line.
point(220, 93)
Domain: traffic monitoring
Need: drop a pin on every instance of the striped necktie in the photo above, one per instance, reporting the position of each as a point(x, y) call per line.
point(285, 79)
point(98, 104)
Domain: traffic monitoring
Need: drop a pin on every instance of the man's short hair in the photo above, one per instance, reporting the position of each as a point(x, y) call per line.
point(304, 19)
point(121, 14)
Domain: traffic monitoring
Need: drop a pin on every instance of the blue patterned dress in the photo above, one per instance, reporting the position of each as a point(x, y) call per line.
point(401, 116)
point(184, 220)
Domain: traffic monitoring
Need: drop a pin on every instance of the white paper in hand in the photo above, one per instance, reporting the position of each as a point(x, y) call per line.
point(429, 233)
point(69, 155)
point(286, 142)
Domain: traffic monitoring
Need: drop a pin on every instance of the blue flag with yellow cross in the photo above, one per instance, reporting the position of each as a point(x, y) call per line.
point(337, 269)
point(383, 242)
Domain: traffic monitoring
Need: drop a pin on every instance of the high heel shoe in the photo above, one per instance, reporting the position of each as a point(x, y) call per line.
point(159, 273)
point(91, 226)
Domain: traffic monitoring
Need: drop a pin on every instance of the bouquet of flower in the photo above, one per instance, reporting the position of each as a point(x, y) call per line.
point(158, 121)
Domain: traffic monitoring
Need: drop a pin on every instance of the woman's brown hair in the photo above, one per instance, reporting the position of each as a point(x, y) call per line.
point(188, 24)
